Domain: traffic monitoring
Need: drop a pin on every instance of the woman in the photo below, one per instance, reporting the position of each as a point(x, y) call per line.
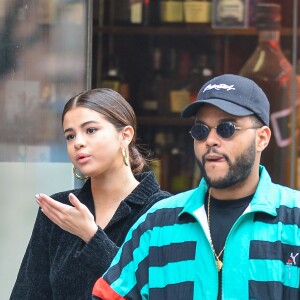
point(72, 245)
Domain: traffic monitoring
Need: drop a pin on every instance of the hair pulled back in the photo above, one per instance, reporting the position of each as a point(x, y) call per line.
point(117, 111)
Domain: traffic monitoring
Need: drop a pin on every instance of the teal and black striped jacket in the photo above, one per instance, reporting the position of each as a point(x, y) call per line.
point(167, 253)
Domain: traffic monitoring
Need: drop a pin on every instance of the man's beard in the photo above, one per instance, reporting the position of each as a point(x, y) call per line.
point(238, 171)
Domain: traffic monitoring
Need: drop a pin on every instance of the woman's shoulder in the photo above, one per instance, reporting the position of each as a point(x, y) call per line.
point(161, 194)
point(150, 185)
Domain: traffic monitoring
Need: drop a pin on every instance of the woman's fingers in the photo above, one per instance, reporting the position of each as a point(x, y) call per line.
point(46, 200)
point(74, 200)
point(75, 218)
point(54, 210)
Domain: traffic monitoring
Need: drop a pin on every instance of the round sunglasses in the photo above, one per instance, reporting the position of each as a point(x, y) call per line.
point(225, 130)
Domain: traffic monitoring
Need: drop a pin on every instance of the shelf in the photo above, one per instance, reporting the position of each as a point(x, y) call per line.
point(132, 48)
point(164, 121)
point(185, 30)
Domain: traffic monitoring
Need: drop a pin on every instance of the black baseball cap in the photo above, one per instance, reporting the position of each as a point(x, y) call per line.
point(234, 94)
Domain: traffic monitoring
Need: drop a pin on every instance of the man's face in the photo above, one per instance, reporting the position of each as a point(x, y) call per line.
point(225, 162)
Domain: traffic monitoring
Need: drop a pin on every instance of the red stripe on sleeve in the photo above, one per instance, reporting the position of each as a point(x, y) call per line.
point(103, 290)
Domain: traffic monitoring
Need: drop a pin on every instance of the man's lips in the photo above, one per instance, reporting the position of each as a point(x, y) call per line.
point(214, 158)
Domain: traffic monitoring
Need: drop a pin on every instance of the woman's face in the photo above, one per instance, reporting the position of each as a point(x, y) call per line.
point(93, 143)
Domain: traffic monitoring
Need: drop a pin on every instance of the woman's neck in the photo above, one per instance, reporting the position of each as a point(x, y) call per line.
point(110, 190)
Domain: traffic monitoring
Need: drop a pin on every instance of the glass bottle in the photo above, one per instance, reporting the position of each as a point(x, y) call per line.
point(272, 71)
point(179, 95)
point(200, 74)
point(197, 11)
point(144, 12)
point(160, 164)
point(136, 11)
point(153, 84)
point(181, 162)
point(122, 11)
point(171, 11)
point(230, 12)
point(115, 79)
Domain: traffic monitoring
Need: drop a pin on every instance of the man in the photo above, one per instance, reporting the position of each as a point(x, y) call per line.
point(237, 235)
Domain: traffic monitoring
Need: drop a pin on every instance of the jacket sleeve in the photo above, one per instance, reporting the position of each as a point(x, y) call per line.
point(33, 277)
point(126, 277)
point(97, 254)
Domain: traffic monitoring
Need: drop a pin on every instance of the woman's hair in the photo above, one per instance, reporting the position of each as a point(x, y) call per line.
point(117, 111)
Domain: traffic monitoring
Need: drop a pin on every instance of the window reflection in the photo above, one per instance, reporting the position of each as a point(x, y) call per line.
point(42, 64)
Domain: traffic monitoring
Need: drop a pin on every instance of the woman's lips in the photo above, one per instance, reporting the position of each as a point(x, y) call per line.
point(82, 158)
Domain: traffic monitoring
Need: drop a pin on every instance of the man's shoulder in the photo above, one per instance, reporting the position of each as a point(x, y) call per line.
point(276, 195)
point(288, 196)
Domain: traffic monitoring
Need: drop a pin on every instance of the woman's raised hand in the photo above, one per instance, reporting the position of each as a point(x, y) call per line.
point(76, 219)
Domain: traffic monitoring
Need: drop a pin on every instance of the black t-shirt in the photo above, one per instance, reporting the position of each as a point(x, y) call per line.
point(223, 214)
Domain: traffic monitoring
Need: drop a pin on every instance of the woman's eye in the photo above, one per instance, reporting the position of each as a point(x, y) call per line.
point(70, 137)
point(91, 130)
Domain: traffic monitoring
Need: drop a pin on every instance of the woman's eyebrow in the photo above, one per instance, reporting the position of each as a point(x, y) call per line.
point(82, 125)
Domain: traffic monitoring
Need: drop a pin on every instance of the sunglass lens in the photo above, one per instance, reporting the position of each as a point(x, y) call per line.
point(200, 132)
point(225, 130)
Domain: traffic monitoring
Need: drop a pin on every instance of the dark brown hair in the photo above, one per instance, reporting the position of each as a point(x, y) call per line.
point(117, 111)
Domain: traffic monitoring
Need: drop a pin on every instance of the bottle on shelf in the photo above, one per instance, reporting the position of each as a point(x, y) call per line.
point(272, 71)
point(160, 164)
point(197, 11)
point(136, 11)
point(200, 73)
point(152, 91)
point(121, 11)
point(111, 80)
point(171, 11)
point(144, 12)
point(153, 12)
point(171, 62)
point(116, 80)
point(180, 163)
point(179, 95)
point(230, 13)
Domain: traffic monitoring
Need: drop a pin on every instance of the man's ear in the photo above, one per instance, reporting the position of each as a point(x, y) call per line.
point(264, 135)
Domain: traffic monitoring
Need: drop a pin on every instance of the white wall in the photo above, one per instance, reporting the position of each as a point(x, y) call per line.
point(19, 182)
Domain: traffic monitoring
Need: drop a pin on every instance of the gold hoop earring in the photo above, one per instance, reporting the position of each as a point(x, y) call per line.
point(125, 157)
point(78, 176)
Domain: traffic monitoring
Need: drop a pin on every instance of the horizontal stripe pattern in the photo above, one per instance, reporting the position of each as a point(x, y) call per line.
point(285, 215)
point(272, 290)
point(161, 218)
point(167, 255)
point(182, 290)
point(274, 270)
point(160, 256)
point(273, 251)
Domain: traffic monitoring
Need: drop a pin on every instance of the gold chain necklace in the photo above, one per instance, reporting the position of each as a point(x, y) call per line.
point(219, 263)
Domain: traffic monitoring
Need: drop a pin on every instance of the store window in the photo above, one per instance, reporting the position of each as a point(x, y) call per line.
point(43, 62)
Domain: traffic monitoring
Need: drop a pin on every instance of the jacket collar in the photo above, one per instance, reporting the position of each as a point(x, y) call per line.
point(147, 187)
point(264, 200)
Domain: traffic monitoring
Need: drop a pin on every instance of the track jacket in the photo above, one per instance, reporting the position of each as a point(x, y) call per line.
point(167, 253)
